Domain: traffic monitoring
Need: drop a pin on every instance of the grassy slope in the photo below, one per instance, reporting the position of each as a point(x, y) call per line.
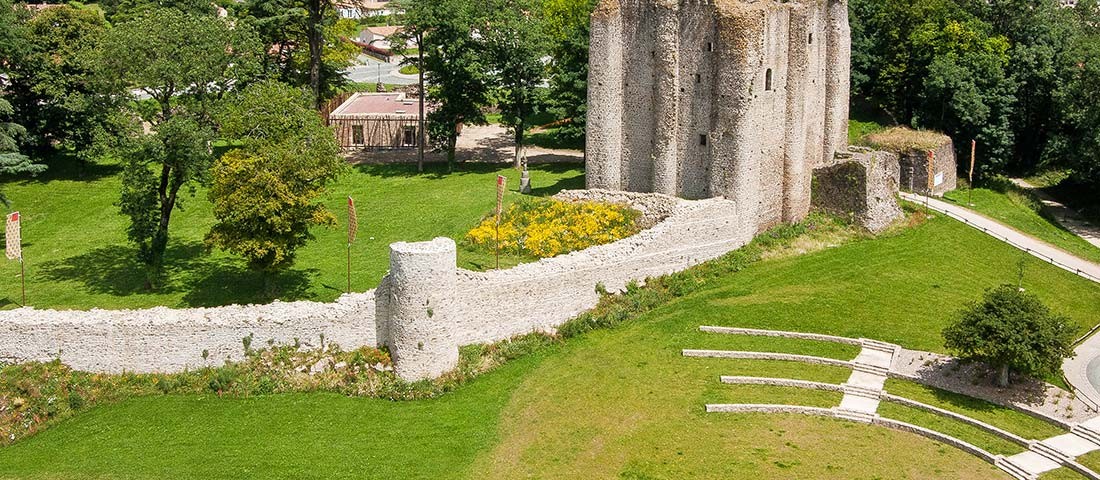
point(619, 402)
point(78, 257)
point(1021, 212)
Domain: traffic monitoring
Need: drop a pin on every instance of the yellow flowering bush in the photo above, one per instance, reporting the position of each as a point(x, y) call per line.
point(544, 228)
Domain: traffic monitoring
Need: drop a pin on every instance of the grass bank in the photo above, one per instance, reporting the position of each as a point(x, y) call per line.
point(1021, 210)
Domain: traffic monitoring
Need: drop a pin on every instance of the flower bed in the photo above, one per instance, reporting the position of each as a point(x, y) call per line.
point(544, 228)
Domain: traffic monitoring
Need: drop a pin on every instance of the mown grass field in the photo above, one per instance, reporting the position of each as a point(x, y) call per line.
point(78, 257)
point(617, 403)
point(1022, 212)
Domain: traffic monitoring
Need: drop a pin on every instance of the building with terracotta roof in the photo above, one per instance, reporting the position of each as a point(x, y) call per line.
point(377, 121)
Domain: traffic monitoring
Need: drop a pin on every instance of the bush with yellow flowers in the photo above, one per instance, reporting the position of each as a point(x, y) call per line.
point(544, 228)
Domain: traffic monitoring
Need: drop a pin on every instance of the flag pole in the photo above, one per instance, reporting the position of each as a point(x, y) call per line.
point(23, 277)
point(500, 203)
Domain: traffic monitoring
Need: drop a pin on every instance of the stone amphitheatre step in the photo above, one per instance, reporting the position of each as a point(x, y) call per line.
point(1050, 452)
point(1014, 470)
point(858, 403)
point(877, 345)
point(859, 391)
point(874, 357)
point(1072, 444)
point(855, 415)
point(1034, 463)
point(872, 369)
point(1088, 433)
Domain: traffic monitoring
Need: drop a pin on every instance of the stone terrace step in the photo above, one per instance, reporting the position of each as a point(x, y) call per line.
point(877, 345)
point(1086, 432)
point(861, 391)
point(872, 369)
point(855, 415)
point(1050, 452)
point(1013, 470)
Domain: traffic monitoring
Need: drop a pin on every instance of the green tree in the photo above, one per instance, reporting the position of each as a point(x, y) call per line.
point(306, 40)
point(568, 23)
point(454, 67)
point(1011, 330)
point(53, 84)
point(186, 63)
point(13, 44)
point(266, 194)
point(516, 42)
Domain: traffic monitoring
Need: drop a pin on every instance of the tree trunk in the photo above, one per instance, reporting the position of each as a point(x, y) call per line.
point(519, 142)
point(1002, 376)
point(315, 37)
point(451, 145)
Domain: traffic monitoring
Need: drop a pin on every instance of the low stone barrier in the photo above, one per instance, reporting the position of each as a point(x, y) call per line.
point(958, 417)
point(423, 310)
point(781, 334)
point(937, 436)
point(739, 355)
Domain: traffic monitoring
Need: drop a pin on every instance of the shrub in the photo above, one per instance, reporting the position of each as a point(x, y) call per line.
point(544, 228)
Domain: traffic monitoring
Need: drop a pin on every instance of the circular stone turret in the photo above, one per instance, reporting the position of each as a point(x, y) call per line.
point(420, 308)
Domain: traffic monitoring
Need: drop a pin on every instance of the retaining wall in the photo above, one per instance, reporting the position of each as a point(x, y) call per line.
point(424, 309)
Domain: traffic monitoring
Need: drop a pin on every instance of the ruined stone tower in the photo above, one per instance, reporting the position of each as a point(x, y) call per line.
point(704, 98)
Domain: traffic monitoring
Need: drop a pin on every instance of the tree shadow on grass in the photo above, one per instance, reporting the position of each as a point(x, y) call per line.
point(207, 280)
point(227, 282)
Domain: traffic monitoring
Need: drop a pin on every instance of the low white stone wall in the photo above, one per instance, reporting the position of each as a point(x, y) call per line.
point(425, 309)
point(169, 340)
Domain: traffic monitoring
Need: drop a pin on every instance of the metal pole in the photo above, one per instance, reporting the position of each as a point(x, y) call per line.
point(349, 268)
point(23, 277)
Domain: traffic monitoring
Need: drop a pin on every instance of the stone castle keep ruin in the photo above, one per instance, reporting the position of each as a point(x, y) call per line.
point(741, 99)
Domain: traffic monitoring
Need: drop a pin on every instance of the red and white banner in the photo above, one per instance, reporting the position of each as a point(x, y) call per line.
point(14, 247)
point(353, 221)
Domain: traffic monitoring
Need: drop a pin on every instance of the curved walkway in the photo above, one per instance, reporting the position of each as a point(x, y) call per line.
point(864, 390)
point(1076, 369)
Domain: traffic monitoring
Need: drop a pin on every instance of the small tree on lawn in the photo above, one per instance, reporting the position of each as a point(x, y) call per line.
point(266, 194)
point(186, 63)
point(1011, 330)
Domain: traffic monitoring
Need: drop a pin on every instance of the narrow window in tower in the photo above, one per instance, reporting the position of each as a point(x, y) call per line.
point(811, 40)
point(698, 78)
point(768, 80)
point(703, 140)
point(710, 46)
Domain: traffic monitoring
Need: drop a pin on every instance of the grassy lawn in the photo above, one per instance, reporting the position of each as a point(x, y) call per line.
point(1022, 212)
point(78, 257)
point(612, 403)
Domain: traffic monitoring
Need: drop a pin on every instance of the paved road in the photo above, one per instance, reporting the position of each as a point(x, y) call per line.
point(370, 70)
point(1083, 370)
point(1067, 217)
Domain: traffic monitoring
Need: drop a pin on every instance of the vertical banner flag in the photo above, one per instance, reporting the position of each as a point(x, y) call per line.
point(973, 152)
point(14, 247)
point(353, 228)
point(931, 171)
point(500, 195)
point(353, 221)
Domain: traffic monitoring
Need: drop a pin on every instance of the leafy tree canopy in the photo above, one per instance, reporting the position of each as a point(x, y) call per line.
point(266, 194)
point(1012, 330)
